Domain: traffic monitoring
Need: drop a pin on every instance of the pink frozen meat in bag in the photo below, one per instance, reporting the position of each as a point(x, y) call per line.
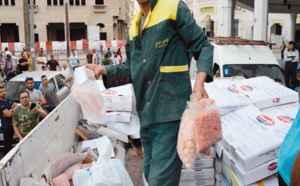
point(186, 145)
point(208, 128)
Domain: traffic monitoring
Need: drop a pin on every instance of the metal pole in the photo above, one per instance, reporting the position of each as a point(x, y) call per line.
point(67, 28)
point(32, 41)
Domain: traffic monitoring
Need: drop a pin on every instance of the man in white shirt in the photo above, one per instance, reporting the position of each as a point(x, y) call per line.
point(40, 61)
point(291, 58)
point(65, 71)
point(116, 58)
point(6, 51)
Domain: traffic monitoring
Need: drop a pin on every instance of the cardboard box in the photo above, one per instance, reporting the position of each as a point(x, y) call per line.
point(227, 97)
point(200, 174)
point(252, 137)
point(264, 92)
point(118, 106)
point(207, 182)
point(117, 94)
point(284, 114)
point(118, 117)
point(232, 180)
point(202, 163)
point(212, 151)
point(231, 167)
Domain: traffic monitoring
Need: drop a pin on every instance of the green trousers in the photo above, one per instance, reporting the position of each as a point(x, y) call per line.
point(162, 165)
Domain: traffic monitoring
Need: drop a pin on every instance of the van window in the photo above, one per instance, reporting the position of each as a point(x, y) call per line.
point(253, 70)
point(60, 81)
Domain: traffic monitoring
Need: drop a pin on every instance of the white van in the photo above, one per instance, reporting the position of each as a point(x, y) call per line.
point(246, 58)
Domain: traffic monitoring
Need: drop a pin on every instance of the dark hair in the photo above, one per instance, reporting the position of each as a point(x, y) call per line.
point(119, 49)
point(43, 76)
point(24, 92)
point(291, 42)
point(108, 48)
point(28, 79)
point(1, 87)
point(107, 55)
point(51, 55)
point(6, 48)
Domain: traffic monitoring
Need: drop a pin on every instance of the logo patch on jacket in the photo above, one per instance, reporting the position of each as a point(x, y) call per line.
point(161, 43)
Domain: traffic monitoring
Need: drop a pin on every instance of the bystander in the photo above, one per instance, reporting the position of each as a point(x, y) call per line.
point(24, 118)
point(7, 107)
point(50, 94)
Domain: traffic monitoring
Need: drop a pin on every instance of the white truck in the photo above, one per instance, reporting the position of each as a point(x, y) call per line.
point(246, 58)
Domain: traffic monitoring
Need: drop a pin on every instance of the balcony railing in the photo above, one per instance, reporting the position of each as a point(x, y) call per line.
point(99, 8)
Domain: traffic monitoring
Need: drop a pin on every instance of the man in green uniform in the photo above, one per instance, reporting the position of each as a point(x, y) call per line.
point(161, 40)
point(25, 119)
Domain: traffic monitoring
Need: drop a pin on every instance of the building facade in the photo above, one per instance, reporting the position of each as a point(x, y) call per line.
point(280, 26)
point(108, 18)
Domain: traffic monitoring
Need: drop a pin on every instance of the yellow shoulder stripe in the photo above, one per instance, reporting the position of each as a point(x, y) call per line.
point(163, 10)
point(172, 69)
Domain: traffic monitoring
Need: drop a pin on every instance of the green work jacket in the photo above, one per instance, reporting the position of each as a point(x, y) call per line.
point(158, 61)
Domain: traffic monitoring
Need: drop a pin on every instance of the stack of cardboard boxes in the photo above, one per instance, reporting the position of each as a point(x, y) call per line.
point(252, 135)
point(121, 114)
point(202, 172)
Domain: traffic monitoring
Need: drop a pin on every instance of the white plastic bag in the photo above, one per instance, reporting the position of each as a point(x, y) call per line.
point(88, 95)
point(105, 172)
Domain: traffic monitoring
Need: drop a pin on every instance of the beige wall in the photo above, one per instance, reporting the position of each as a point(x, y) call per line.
point(56, 14)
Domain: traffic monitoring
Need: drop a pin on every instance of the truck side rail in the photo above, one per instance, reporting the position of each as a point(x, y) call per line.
point(52, 138)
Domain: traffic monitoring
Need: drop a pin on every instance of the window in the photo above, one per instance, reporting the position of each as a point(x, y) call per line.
point(236, 28)
point(99, 2)
point(51, 81)
point(60, 81)
point(55, 2)
point(33, 2)
point(103, 36)
point(12, 3)
point(276, 29)
point(6, 2)
point(77, 2)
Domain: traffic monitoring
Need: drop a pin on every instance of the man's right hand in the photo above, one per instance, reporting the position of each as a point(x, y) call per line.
point(97, 69)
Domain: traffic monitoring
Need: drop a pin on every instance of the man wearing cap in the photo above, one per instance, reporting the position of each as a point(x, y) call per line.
point(116, 58)
point(9, 67)
point(44, 68)
point(162, 38)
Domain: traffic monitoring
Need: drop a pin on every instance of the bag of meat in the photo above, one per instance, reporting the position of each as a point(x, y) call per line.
point(88, 94)
point(186, 146)
point(208, 128)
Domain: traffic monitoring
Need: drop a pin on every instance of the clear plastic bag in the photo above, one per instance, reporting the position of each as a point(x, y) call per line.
point(88, 94)
point(208, 128)
point(186, 145)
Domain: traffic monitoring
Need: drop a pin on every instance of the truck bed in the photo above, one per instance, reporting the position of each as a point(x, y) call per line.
point(52, 138)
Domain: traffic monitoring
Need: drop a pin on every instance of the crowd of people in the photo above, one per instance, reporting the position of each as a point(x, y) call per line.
point(35, 104)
